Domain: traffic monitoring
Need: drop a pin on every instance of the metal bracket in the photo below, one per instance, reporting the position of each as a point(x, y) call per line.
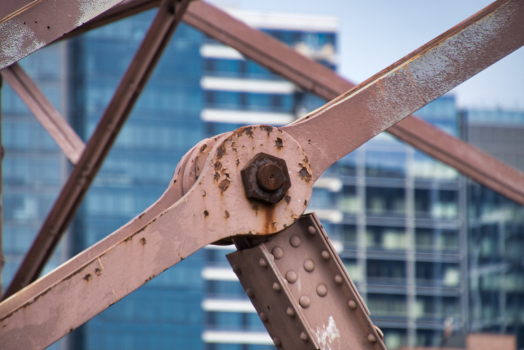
point(302, 292)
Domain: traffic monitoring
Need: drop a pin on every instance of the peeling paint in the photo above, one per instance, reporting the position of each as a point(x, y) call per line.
point(18, 41)
point(90, 9)
point(327, 335)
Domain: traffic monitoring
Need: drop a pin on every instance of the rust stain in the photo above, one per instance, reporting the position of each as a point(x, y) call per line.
point(98, 272)
point(143, 241)
point(218, 166)
point(206, 213)
point(305, 175)
point(248, 130)
point(203, 148)
point(267, 128)
point(238, 161)
point(269, 219)
point(224, 185)
point(216, 177)
point(279, 143)
point(227, 214)
point(221, 151)
point(305, 202)
point(287, 199)
point(88, 277)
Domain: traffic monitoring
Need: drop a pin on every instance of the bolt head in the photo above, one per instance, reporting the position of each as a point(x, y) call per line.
point(266, 179)
point(270, 177)
point(304, 336)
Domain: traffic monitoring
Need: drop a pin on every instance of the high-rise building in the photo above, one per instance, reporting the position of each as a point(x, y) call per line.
point(396, 217)
point(496, 230)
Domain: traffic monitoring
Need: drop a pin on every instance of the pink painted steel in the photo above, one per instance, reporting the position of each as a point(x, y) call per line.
point(326, 84)
point(39, 23)
point(56, 125)
point(100, 276)
point(100, 143)
point(348, 121)
point(300, 265)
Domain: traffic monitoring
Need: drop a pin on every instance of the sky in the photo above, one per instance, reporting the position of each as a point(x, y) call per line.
point(376, 33)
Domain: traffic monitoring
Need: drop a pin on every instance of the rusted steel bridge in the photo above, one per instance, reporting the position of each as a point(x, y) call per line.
point(249, 187)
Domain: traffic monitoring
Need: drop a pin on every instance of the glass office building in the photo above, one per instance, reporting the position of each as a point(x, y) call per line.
point(496, 230)
point(396, 217)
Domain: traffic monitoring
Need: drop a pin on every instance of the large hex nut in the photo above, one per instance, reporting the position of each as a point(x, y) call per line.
point(266, 178)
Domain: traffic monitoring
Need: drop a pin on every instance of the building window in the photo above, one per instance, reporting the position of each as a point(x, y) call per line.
point(211, 97)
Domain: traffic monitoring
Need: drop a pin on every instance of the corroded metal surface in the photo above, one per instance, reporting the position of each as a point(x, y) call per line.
point(302, 292)
point(325, 83)
point(69, 199)
point(39, 23)
point(345, 123)
point(55, 124)
point(210, 211)
point(266, 178)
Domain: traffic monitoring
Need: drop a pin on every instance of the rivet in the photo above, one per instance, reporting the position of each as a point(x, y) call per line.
point(325, 255)
point(312, 230)
point(352, 304)
point(309, 265)
point(294, 241)
point(236, 269)
point(277, 287)
point(263, 262)
point(372, 338)
point(303, 336)
point(379, 331)
point(263, 317)
point(338, 279)
point(276, 341)
point(304, 301)
point(291, 276)
point(250, 293)
point(277, 252)
point(322, 290)
point(290, 312)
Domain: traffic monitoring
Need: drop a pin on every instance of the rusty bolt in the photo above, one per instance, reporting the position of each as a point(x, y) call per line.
point(266, 178)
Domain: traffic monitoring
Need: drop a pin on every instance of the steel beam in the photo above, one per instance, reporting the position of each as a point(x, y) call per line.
point(44, 112)
point(119, 108)
point(39, 23)
point(326, 84)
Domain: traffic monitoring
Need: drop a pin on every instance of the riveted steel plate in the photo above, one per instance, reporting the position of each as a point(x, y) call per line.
point(314, 282)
